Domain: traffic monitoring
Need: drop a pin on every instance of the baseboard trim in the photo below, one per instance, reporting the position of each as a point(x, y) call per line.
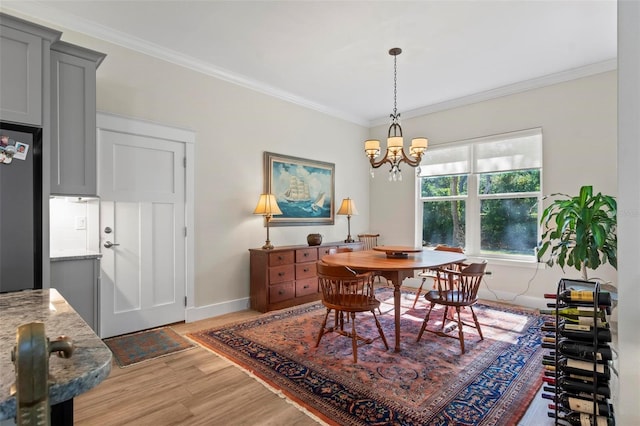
point(534, 302)
point(203, 312)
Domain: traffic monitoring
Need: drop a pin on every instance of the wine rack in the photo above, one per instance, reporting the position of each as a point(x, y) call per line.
point(577, 366)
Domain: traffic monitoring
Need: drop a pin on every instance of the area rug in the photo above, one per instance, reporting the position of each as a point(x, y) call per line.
point(130, 349)
point(427, 383)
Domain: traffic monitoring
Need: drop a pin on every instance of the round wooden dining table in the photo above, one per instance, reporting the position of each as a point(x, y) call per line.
point(400, 265)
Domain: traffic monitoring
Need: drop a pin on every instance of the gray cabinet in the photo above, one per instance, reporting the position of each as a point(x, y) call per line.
point(73, 124)
point(77, 281)
point(24, 55)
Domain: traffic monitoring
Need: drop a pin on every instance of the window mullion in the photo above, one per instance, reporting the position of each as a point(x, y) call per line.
point(472, 233)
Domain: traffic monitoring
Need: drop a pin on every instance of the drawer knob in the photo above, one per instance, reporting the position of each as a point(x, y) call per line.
point(306, 286)
point(280, 274)
point(279, 257)
point(280, 292)
point(306, 254)
point(306, 269)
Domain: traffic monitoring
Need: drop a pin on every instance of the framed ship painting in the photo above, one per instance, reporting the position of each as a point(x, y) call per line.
point(304, 189)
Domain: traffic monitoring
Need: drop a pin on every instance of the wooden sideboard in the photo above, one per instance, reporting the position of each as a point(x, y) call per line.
point(286, 276)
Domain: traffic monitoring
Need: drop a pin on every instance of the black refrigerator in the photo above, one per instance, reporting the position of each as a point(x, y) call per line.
point(20, 207)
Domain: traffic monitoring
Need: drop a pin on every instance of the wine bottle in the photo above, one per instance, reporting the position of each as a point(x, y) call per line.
point(582, 351)
point(581, 332)
point(577, 316)
point(582, 395)
point(561, 305)
point(581, 405)
point(581, 297)
point(577, 386)
point(578, 367)
point(588, 380)
point(583, 419)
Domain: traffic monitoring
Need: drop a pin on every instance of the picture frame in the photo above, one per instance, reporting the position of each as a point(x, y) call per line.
point(304, 190)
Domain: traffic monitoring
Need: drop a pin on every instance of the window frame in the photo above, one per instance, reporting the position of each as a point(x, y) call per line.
point(473, 199)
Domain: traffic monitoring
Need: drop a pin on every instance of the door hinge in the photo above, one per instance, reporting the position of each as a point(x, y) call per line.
point(184, 162)
point(185, 231)
point(185, 301)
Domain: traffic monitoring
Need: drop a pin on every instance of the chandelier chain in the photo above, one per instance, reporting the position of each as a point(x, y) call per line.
point(395, 89)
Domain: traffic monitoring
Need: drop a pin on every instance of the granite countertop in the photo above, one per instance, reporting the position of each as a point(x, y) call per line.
point(61, 255)
point(89, 365)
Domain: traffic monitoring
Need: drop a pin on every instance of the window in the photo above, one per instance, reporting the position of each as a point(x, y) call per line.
point(483, 194)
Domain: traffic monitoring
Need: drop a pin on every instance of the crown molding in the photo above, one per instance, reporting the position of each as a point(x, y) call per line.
point(511, 89)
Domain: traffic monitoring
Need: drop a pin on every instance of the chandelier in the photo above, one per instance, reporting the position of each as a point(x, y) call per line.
point(395, 150)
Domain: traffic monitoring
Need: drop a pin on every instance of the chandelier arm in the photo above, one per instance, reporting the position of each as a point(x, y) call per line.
point(375, 164)
point(409, 161)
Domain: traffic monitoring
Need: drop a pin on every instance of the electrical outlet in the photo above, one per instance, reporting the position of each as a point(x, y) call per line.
point(81, 222)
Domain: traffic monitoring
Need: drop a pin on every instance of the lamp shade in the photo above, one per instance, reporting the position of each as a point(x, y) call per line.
point(267, 205)
point(348, 207)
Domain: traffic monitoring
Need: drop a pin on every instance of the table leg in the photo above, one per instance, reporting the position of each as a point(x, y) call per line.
point(396, 302)
point(396, 278)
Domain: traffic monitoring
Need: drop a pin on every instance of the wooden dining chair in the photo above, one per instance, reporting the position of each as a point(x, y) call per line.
point(432, 273)
point(456, 289)
point(369, 241)
point(347, 292)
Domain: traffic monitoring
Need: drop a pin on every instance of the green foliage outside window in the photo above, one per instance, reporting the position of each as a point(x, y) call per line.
point(508, 218)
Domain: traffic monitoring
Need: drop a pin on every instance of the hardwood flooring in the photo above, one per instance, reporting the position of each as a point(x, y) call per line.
point(197, 387)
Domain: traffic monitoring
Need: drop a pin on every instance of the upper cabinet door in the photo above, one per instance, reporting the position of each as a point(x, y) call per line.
point(73, 124)
point(22, 49)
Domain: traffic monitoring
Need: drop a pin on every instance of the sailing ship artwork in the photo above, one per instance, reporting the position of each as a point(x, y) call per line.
point(303, 189)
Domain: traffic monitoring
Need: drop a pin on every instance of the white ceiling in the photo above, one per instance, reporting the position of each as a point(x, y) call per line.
point(333, 55)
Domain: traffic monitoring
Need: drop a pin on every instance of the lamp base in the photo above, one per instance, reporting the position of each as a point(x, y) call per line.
point(267, 246)
point(349, 240)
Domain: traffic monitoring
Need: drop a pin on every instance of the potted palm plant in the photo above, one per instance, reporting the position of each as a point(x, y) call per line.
point(580, 232)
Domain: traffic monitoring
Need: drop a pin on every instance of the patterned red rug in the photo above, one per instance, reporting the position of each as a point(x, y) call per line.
point(427, 383)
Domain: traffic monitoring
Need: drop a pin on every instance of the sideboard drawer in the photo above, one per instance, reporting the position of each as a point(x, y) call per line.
point(305, 270)
point(280, 274)
point(281, 258)
point(280, 292)
point(323, 251)
point(308, 286)
point(306, 255)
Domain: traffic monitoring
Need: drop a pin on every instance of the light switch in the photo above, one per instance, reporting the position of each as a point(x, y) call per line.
point(81, 222)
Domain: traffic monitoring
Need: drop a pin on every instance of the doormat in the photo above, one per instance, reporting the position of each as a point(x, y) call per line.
point(130, 349)
point(427, 383)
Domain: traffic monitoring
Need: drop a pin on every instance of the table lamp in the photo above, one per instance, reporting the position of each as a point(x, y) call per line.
point(267, 206)
point(348, 207)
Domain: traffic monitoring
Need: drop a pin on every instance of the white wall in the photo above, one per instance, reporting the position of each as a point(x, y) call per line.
point(629, 210)
point(578, 121)
point(234, 126)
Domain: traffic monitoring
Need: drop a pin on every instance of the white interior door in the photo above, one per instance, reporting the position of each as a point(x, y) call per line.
point(141, 183)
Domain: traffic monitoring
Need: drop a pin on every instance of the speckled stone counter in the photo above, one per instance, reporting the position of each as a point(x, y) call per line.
point(91, 360)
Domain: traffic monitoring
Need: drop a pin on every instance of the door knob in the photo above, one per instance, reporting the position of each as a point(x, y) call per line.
point(109, 244)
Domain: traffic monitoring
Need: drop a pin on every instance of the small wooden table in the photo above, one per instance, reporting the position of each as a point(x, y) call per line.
point(395, 269)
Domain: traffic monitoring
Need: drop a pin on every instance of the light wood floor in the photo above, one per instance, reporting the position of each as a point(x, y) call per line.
point(197, 387)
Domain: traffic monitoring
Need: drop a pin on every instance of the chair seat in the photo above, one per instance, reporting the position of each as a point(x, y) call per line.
point(450, 298)
point(351, 302)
